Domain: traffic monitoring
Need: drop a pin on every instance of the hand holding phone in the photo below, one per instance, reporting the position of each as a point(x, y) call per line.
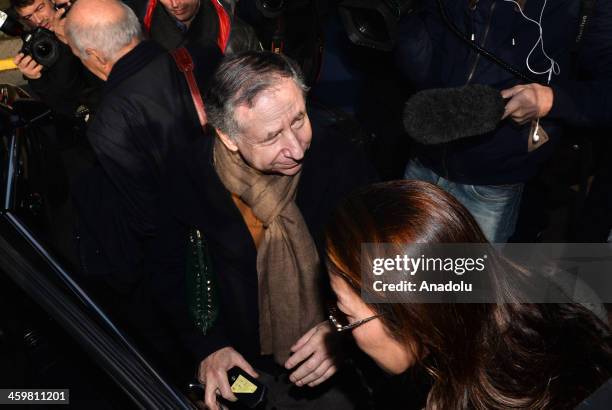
point(215, 374)
point(248, 390)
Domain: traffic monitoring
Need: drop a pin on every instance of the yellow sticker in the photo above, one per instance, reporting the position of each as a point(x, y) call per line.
point(242, 385)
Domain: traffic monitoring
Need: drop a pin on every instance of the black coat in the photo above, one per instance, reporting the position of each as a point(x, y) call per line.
point(197, 198)
point(146, 115)
point(67, 84)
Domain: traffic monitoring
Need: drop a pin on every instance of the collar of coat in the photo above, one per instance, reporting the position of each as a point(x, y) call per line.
point(132, 62)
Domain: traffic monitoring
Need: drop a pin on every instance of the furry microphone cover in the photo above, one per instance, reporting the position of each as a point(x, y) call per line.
point(445, 114)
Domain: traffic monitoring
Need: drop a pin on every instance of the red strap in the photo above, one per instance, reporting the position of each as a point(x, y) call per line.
point(149, 15)
point(184, 63)
point(225, 25)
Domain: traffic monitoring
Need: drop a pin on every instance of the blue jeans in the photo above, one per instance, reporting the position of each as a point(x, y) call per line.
point(495, 207)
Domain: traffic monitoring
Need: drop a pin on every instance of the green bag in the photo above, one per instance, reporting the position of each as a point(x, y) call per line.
point(202, 294)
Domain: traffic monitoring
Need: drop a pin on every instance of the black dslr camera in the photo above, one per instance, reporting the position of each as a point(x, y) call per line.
point(374, 23)
point(41, 43)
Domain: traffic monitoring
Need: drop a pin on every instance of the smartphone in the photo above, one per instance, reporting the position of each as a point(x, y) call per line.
point(248, 390)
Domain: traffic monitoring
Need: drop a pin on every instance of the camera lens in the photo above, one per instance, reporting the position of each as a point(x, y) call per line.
point(370, 24)
point(43, 49)
point(273, 5)
point(373, 23)
point(270, 8)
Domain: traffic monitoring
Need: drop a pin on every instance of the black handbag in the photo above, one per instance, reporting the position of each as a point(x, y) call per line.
point(202, 293)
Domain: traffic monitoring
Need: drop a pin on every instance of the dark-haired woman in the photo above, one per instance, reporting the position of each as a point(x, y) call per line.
point(480, 356)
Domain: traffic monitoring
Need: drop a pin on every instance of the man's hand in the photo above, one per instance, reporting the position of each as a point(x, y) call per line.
point(57, 24)
point(527, 102)
point(316, 349)
point(213, 374)
point(62, 2)
point(28, 67)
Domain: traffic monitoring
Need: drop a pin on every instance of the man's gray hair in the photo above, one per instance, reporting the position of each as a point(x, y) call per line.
point(239, 79)
point(106, 37)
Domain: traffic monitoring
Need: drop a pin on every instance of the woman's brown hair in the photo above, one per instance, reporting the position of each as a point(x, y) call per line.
point(482, 356)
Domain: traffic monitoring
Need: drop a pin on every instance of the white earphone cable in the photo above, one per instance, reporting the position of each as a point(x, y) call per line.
point(554, 66)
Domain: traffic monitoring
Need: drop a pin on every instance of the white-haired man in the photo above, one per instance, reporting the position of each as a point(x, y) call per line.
point(145, 114)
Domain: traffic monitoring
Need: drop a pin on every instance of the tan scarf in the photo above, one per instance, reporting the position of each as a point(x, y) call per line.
point(290, 301)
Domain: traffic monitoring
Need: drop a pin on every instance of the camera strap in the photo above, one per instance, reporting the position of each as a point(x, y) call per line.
point(184, 62)
point(148, 18)
point(225, 25)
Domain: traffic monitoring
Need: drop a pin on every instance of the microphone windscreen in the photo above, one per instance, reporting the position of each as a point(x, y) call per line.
point(446, 114)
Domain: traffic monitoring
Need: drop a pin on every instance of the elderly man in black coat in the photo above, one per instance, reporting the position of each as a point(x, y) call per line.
point(146, 114)
point(255, 194)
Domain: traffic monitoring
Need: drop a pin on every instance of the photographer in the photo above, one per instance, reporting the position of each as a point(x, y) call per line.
point(67, 84)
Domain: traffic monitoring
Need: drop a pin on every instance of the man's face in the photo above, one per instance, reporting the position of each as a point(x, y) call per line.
point(182, 10)
point(275, 133)
point(38, 14)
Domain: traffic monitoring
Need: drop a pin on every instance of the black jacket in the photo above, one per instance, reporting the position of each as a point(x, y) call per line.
point(67, 84)
point(146, 114)
point(197, 198)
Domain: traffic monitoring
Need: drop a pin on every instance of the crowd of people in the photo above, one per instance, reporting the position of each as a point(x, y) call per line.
point(223, 213)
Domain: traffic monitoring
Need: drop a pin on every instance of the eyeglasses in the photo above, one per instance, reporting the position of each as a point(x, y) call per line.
point(340, 322)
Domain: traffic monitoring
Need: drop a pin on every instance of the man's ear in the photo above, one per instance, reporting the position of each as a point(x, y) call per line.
point(93, 53)
point(229, 143)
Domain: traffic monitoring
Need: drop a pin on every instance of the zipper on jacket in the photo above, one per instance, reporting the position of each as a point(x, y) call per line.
point(472, 6)
point(484, 38)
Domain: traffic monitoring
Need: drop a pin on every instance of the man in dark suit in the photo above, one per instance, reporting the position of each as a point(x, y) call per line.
point(258, 190)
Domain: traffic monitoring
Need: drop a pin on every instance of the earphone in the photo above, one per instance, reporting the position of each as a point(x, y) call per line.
point(554, 66)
